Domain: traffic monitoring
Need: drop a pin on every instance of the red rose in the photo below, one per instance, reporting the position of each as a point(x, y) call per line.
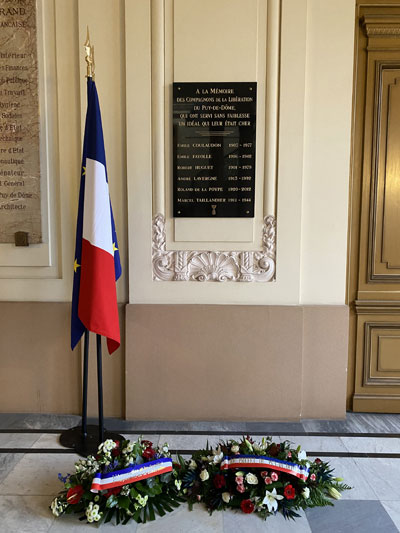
point(147, 443)
point(110, 492)
point(289, 492)
point(318, 461)
point(116, 451)
point(247, 506)
point(273, 450)
point(74, 494)
point(219, 481)
point(148, 453)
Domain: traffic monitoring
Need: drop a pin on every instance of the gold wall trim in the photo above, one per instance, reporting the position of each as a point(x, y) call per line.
point(372, 375)
point(376, 306)
point(381, 25)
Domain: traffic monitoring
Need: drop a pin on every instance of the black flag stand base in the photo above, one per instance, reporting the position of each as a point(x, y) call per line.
point(84, 446)
point(85, 439)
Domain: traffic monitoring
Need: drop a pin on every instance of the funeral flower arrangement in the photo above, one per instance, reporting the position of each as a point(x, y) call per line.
point(259, 477)
point(128, 479)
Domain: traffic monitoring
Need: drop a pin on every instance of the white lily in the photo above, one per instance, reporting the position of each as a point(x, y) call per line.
point(271, 500)
point(218, 458)
point(302, 455)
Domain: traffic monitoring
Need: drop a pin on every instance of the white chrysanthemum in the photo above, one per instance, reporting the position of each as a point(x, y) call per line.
point(128, 448)
point(192, 464)
point(141, 500)
point(125, 490)
point(107, 445)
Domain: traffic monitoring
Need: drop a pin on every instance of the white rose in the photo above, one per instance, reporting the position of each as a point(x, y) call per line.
point(251, 479)
point(306, 493)
point(204, 475)
point(226, 497)
point(192, 465)
point(235, 448)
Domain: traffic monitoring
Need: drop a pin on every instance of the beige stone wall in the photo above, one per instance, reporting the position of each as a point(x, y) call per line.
point(201, 362)
point(183, 362)
point(39, 372)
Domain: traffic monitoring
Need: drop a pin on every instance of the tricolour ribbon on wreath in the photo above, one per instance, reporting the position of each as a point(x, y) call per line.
point(131, 474)
point(261, 461)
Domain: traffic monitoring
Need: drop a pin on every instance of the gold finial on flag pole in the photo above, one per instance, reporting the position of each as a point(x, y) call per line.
point(89, 58)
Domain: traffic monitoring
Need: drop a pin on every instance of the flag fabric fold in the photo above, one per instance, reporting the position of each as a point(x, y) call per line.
point(97, 263)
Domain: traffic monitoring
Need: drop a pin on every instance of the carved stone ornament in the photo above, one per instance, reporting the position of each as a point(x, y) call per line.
point(188, 265)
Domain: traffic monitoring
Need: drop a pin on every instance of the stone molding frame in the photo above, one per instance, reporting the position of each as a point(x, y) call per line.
point(191, 265)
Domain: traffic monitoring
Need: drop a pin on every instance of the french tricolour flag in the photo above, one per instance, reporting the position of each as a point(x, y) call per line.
point(97, 263)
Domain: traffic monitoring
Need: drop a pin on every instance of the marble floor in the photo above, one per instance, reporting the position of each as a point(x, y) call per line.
point(364, 449)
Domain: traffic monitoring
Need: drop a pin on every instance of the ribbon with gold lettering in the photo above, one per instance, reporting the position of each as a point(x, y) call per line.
point(261, 461)
point(131, 474)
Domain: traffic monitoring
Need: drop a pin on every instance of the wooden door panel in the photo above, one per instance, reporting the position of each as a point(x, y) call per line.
point(374, 293)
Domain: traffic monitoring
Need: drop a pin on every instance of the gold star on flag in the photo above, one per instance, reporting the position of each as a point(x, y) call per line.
point(114, 247)
point(83, 171)
point(76, 265)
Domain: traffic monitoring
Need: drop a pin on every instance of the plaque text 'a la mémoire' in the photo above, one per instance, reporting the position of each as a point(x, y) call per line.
point(214, 128)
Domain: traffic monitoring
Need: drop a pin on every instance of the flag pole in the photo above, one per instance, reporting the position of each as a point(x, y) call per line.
point(100, 389)
point(85, 384)
point(85, 439)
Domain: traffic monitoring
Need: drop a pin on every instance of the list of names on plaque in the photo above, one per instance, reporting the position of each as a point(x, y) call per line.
point(214, 129)
point(19, 122)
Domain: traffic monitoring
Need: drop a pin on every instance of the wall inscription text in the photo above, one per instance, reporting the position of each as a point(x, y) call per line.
point(19, 122)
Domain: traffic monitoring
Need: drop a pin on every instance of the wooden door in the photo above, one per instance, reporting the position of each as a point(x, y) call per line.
point(374, 252)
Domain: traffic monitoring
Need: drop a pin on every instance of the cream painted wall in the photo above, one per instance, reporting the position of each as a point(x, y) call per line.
point(314, 144)
point(314, 128)
point(327, 132)
point(63, 101)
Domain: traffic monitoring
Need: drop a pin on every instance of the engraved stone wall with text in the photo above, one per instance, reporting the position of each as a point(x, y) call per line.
point(19, 122)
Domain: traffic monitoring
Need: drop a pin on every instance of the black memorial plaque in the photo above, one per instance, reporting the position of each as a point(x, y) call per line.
point(214, 149)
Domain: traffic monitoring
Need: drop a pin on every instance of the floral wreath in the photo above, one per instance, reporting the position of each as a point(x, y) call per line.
point(133, 480)
point(262, 477)
point(128, 479)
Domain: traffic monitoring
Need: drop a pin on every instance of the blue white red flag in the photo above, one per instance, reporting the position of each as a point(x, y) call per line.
point(97, 263)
